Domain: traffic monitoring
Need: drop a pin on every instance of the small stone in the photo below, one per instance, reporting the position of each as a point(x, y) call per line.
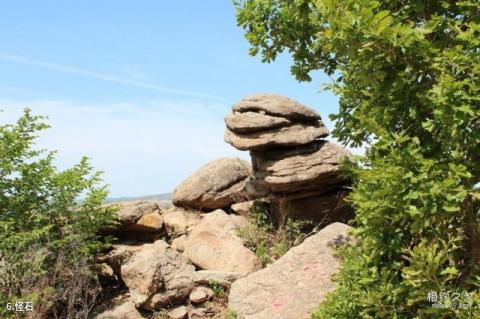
point(200, 294)
point(178, 313)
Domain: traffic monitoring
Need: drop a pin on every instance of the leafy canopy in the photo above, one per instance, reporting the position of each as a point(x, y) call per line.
point(407, 74)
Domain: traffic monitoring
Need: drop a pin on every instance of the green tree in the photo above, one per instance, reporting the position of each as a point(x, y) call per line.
point(407, 74)
point(48, 237)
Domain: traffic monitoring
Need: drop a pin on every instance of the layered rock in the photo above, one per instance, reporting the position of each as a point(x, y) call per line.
point(296, 170)
point(290, 158)
point(266, 120)
point(293, 286)
point(214, 185)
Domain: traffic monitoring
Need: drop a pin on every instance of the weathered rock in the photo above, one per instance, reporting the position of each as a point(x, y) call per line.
point(214, 185)
point(157, 275)
point(294, 170)
point(277, 105)
point(179, 243)
point(126, 310)
point(205, 277)
point(131, 212)
point(120, 254)
point(214, 245)
point(266, 120)
point(149, 223)
point(293, 286)
point(250, 122)
point(243, 208)
point(200, 294)
point(178, 313)
point(296, 134)
point(179, 221)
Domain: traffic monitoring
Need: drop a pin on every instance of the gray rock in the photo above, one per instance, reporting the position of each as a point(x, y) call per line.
point(214, 185)
point(293, 286)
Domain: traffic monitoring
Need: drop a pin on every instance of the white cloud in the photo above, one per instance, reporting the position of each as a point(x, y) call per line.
point(11, 58)
point(143, 149)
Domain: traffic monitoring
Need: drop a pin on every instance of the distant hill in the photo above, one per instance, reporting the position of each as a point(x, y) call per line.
point(159, 197)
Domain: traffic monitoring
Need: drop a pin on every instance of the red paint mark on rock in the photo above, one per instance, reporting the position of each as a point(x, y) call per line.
point(280, 301)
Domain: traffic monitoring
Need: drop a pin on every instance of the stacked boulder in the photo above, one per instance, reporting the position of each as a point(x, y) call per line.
point(291, 159)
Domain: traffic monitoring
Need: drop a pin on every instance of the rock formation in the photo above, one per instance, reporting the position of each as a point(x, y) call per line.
point(293, 286)
point(214, 185)
point(290, 157)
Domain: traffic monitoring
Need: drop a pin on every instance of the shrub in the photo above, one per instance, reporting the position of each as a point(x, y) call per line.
point(49, 226)
point(269, 235)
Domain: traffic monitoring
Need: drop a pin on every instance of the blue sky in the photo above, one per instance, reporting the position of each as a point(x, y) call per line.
point(141, 87)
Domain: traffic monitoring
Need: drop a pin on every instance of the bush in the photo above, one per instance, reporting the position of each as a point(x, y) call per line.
point(49, 226)
point(270, 237)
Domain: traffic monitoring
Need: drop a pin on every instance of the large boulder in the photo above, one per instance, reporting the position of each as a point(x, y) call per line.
point(313, 167)
point(266, 120)
point(157, 275)
point(214, 245)
point(293, 286)
point(214, 185)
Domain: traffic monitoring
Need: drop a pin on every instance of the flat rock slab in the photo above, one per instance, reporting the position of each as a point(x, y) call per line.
point(277, 105)
point(295, 134)
point(293, 286)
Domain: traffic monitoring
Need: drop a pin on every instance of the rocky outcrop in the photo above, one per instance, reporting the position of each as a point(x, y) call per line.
point(214, 185)
point(293, 286)
point(290, 158)
point(214, 245)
